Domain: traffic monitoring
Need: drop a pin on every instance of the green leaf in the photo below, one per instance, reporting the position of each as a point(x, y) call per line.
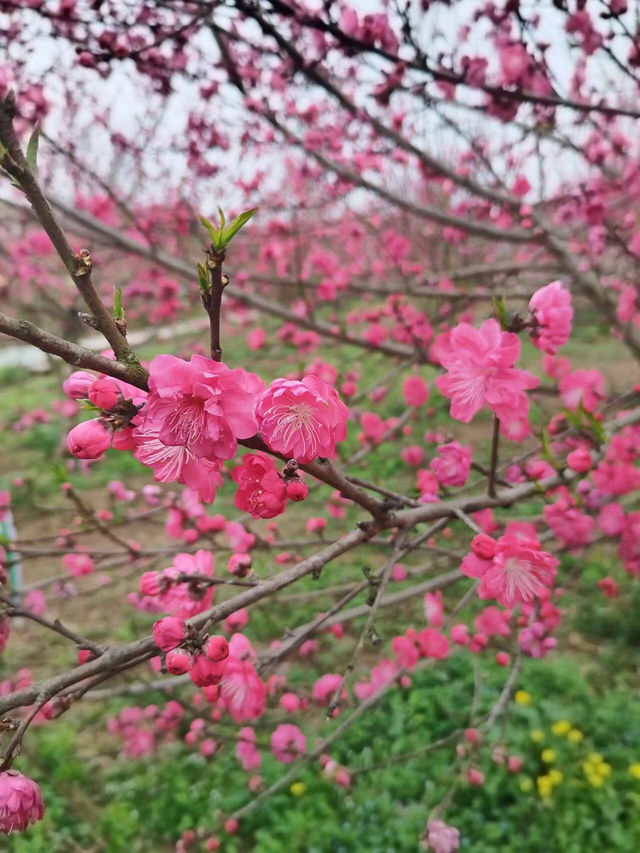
point(500, 307)
point(223, 219)
point(32, 149)
point(214, 233)
point(546, 447)
point(118, 308)
point(229, 233)
point(595, 425)
point(204, 277)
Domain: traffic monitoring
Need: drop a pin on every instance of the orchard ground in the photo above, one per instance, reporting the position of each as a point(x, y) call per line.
point(575, 711)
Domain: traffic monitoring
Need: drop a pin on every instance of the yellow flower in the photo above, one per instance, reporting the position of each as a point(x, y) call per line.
point(526, 785)
point(548, 756)
point(545, 786)
point(556, 776)
point(595, 758)
point(298, 789)
point(562, 727)
point(575, 736)
point(537, 735)
point(634, 770)
point(523, 697)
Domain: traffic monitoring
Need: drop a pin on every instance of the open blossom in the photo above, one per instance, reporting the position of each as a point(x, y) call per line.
point(416, 391)
point(518, 571)
point(303, 419)
point(552, 312)
point(261, 489)
point(20, 802)
point(246, 751)
point(178, 464)
point(242, 692)
point(452, 465)
point(288, 743)
point(201, 406)
point(441, 837)
point(480, 371)
point(582, 386)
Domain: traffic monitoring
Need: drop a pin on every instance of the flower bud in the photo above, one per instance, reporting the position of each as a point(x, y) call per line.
point(216, 648)
point(483, 546)
point(104, 393)
point(240, 564)
point(205, 672)
point(168, 633)
point(78, 384)
point(178, 661)
point(89, 440)
point(152, 583)
point(297, 490)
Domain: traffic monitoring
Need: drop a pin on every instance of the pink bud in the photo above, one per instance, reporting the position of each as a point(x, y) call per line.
point(472, 736)
point(240, 564)
point(231, 826)
point(168, 633)
point(78, 384)
point(104, 393)
point(580, 460)
point(297, 490)
point(515, 763)
point(216, 648)
point(205, 673)
point(152, 583)
point(178, 661)
point(503, 659)
point(460, 634)
point(89, 440)
point(475, 776)
point(483, 546)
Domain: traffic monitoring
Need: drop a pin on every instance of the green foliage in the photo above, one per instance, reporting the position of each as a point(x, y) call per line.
point(222, 236)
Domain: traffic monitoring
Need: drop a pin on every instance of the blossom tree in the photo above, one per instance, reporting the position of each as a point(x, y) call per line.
point(453, 269)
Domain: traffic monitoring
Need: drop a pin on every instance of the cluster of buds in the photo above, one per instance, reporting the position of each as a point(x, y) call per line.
point(186, 651)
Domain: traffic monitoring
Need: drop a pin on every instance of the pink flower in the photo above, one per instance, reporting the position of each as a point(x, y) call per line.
point(580, 460)
point(406, 652)
point(432, 643)
point(552, 313)
point(441, 837)
point(416, 391)
point(261, 489)
point(326, 686)
point(79, 564)
point(200, 405)
point(453, 465)
point(246, 750)
point(302, 420)
point(518, 572)
point(89, 440)
point(205, 672)
point(582, 386)
point(168, 633)
point(288, 743)
point(78, 384)
point(216, 648)
point(178, 661)
point(240, 564)
point(480, 372)
point(242, 691)
point(104, 393)
point(428, 486)
point(297, 490)
point(434, 609)
point(177, 464)
point(20, 802)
